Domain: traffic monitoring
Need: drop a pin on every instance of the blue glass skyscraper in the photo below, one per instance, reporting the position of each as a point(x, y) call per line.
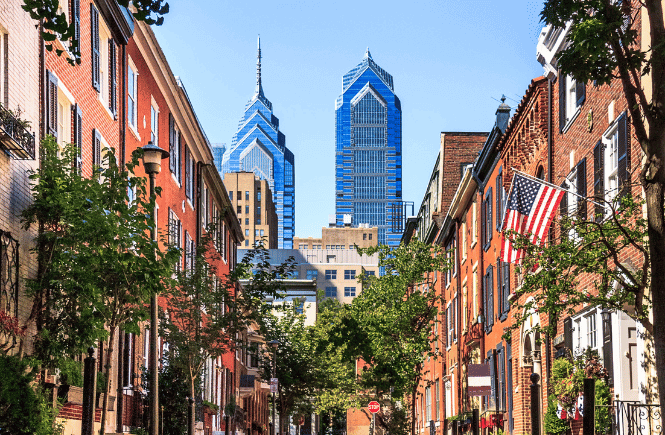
point(368, 153)
point(258, 146)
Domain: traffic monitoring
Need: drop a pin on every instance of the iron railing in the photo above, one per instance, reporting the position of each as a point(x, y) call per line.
point(14, 136)
point(635, 418)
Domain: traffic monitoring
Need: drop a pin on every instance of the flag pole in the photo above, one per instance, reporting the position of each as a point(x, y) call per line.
point(555, 187)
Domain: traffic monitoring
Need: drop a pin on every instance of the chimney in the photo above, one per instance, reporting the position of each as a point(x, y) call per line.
point(503, 115)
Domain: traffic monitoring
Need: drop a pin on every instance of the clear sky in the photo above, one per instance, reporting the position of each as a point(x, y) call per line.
point(450, 60)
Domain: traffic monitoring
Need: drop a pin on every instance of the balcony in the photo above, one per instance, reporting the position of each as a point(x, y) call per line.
point(15, 139)
point(246, 386)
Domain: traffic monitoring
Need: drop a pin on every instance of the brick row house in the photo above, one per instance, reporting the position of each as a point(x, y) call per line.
point(122, 95)
point(565, 133)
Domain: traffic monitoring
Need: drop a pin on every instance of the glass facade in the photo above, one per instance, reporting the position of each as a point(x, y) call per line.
point(368, 149)
point(258, 146)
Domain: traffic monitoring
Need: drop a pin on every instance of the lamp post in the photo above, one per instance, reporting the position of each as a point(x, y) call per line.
point(152, 163)
point(273, 344)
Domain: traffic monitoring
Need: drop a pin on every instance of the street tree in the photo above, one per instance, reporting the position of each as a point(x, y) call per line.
point(391, 326)
point(56, 26)
point(98, 266)
point(294, 360)
point(605, 44)
point(206, 310)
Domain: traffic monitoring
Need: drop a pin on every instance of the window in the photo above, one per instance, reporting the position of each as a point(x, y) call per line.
point(464, 305)
point(369, 236)
point(364, 236)
point(239, 195)
point(500, 200)
point(246, 232)
point(230, 195)
point(503, 288)
point(331, 274)
point(256, 233)
point(246, 242)
point(349, 292)
point(190, 252)
point(488, 298)
point(611, 157)
point(132, 100)
point(175, 230)
point(312, 273)
point(128, 368)
point(437, 392)
point(349, 274)
point(591, 330)
point(331, 292)
point(247, 209)
point(189, 175)
point(239, 209)
point(9, 268)
point(154, 125)
point(475, 293)
point(571, 203)
point(370, 273)
point(175, 145)
point(428, 403)
point(463, 239)
point(258, 196)
point(486, 225)
point(258, 210)
point(571, 97)
point(474, 223)
point(258, 221)
point(246, 220)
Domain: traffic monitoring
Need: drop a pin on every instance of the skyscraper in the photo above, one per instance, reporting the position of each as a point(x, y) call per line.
point(258, 146)
point(368, 151)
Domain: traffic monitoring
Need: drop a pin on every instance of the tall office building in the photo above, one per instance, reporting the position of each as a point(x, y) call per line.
point(258, 146)
point(368, 153)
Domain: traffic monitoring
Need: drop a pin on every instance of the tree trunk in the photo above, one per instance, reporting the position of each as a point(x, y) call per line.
point(414, 394)
point(192, 408)
point(655, 207)
point(107, 387)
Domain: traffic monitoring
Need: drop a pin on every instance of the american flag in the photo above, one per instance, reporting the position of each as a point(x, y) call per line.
point(529, 212)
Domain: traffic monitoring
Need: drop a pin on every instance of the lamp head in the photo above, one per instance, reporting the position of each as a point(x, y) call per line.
point(273, 344)
point(152, 158)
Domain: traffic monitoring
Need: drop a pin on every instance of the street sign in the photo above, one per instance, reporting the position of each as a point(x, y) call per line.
point(374, 406)
point(273, 385)
point(480, 381)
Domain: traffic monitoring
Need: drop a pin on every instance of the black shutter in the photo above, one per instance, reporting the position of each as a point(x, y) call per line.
point(76, 19)
point(499, 204)
point(172, 144)
point(483, 223)
point(505, 275)
point(501, 375)
point(113, 77)
point(509, 386)
point(562, 101)
point(489, 215)
point(568, 333)
point(96, 148)
point(492, 363)
point(188, 174)
point(490, 298)
point(581, 189)
point(499, 292)
point(607, 348)
point(94, 47)
point(580, 92)
point(77, 134)
point(599, 179)
point(623, 170)
point(563, 207)
point(51, 104)
point(178, 160)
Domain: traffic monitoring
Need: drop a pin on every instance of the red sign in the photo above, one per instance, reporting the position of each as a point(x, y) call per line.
point(374, 407)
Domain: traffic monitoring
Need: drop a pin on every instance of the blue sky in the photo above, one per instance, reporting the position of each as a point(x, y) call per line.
point(450, 60)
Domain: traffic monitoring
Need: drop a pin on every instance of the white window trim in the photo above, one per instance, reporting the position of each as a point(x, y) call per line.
point(155, 107)
point(612, 131)
point(133, 128)
point(570, 89)
point(581, 333)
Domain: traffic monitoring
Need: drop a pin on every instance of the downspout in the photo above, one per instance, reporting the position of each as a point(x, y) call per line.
point(42, 87)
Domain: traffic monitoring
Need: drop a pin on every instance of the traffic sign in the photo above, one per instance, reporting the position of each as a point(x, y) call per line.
point(274, 383)
point(374, 406)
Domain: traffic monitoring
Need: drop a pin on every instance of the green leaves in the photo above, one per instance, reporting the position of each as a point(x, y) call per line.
point(98, 263)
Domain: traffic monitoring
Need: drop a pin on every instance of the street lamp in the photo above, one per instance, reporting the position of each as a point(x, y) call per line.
point(273, 344)
point(152, 163)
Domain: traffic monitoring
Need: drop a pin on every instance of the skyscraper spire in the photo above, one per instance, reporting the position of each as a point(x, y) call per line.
point(259, 88)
